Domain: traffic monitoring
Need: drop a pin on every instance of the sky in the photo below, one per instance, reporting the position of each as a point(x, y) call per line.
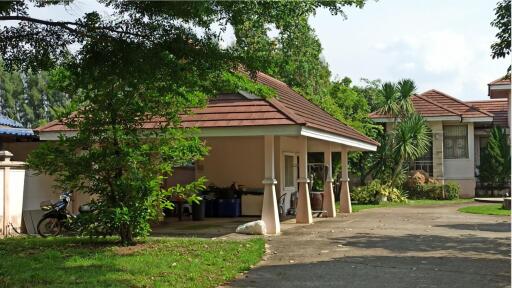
point(440, 44)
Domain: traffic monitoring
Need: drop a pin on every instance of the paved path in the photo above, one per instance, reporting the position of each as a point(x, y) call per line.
point(390, 247)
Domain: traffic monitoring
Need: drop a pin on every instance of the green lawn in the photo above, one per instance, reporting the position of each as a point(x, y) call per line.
point(359, 207)
point(157, 262)
point(488, 209)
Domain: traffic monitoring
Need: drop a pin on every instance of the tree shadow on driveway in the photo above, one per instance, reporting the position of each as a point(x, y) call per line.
point(489, 227)
point(410, 243)
point(383, 272)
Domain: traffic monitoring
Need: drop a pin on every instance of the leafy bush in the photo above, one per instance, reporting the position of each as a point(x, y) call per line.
point(451, 191)
point(435, 191)
point(376, 192)
point(393, 194)
point(494, 165)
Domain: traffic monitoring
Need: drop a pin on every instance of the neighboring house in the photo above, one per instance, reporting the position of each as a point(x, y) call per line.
point(459, 132)
point(261, 144)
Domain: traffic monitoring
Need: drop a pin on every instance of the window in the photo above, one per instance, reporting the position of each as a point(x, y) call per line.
point(455, 145)
point(289, 180)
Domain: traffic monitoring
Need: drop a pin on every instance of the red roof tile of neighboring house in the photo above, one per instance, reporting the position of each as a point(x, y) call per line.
point(502, 80)
point(236, 110)
point(498, 107)
point(434, 103)
point(425, 107)
point(454, 104)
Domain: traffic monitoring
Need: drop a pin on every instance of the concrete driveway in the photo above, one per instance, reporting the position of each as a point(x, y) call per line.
point(433, 246)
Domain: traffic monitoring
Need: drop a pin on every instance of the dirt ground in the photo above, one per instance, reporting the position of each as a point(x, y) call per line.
point(428, 246)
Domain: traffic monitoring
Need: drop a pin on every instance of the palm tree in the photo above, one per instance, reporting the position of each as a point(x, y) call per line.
point(406, 88)
point(410, 140)
point(397, 98)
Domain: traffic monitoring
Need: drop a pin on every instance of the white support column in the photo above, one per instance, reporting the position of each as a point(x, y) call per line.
point(345, 205)
point(329, 205)
point(269, 213)
point(304, 214)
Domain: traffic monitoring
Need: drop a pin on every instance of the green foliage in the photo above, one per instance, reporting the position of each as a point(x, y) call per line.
point(451, 191)
point(135, 71)
point(501, 47)
point(370, 91)
point(396, 98)
point(495, 160)
point(26, 97)
point(409, 140)
point(448, 191)
point(376, 192)
point(238, 81)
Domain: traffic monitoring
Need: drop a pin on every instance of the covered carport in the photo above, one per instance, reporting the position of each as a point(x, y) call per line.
point(264, 144)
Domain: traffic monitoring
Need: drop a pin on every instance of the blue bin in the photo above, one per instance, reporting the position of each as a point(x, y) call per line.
point(228, 207)
point(211, 209)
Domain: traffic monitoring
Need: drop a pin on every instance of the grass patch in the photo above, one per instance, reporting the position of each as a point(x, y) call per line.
point(156, 262)
point(421, 202)
point(487, 209)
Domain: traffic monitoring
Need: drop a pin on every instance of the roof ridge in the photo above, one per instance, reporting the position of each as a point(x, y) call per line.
point(489, 100)
point(459, 101)
point(506, 77)
point(287, 112)
point(438, 105)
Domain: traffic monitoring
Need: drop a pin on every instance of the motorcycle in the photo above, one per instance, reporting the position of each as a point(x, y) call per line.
point(57, 216)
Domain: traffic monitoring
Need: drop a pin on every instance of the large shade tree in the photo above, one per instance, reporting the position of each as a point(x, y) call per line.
point(501, 47)
point(27, 98)
point(144, 62)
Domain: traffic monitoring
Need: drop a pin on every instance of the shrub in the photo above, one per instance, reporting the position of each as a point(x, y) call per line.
point(376, 192)
point(451, 191)
point(393, 194)
point(366, 194)
point(435, 191)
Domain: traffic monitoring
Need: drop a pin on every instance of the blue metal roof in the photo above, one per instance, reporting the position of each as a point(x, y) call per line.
point(16, 131)
point(6, 121)
point(14, 128)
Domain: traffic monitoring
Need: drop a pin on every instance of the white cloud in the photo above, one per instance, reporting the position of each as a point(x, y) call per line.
point(439, 44)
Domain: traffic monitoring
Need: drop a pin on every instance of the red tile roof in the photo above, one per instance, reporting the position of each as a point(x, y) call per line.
point(434, 103)
point(311, 115)
point(455, 104)
point(502, 80)
point(498, 107)
point(236, 110)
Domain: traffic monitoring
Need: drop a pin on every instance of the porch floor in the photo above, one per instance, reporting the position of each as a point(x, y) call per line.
point(211, 227)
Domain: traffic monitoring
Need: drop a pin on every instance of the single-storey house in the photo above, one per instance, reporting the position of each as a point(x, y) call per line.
point(460, 130)
point(262, 144)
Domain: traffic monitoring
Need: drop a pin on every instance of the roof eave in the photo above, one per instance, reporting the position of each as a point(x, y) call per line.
point(477, 119)
point(354, 144)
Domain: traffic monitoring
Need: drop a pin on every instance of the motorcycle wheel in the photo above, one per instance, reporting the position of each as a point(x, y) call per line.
point(49, 226)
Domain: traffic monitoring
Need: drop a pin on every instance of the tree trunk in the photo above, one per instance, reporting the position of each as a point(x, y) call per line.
point(396, 171)
point(126, 234)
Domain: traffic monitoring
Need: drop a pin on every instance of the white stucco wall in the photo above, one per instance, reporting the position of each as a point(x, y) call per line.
point(38, 188)
point(462, 171)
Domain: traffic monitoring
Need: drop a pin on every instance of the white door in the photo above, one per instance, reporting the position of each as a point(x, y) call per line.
point(289, 173)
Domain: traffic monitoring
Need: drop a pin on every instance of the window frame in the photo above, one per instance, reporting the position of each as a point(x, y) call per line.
point(454, 141)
